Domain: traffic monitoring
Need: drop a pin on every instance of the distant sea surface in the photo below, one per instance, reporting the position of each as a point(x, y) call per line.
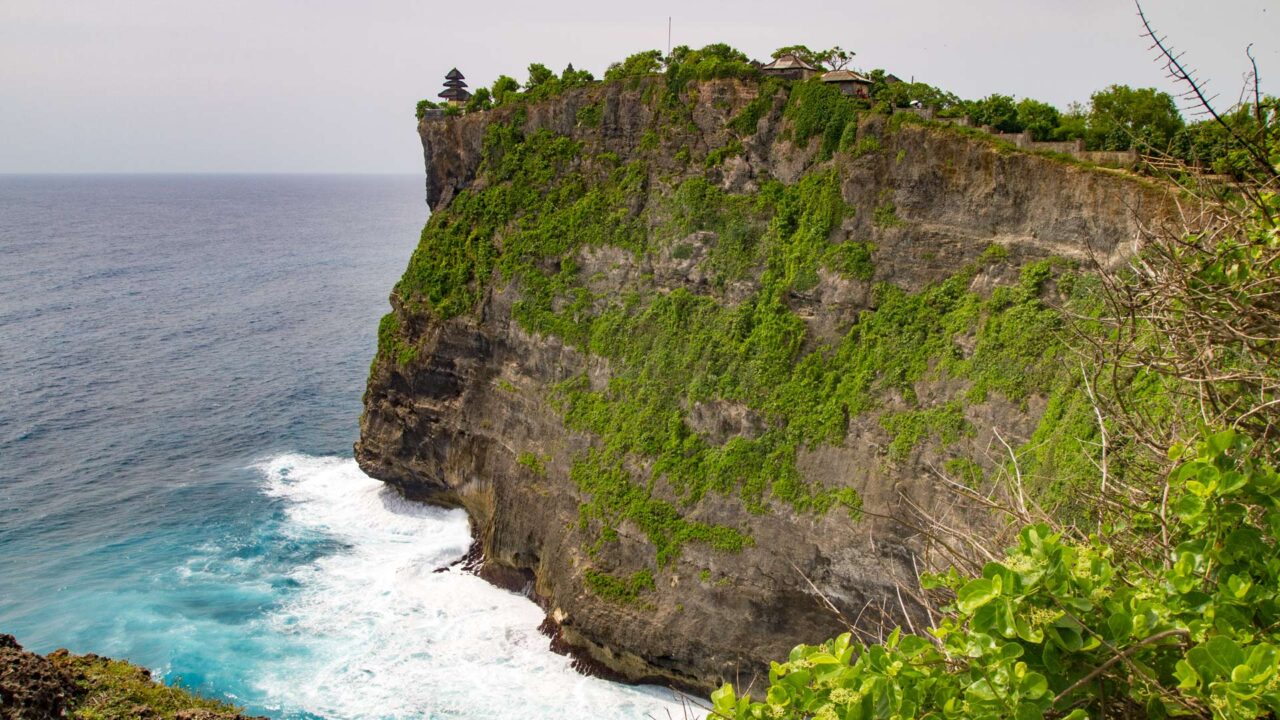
point(181, 365)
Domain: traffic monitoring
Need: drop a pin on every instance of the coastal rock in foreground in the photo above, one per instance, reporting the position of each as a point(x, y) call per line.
point(693, 359)
point(31, 686)
point(62, 685)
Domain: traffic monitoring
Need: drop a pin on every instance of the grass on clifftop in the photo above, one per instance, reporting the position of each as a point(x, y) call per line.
point(116, 690)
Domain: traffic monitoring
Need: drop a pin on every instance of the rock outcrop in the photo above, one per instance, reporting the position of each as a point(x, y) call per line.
point(31, 686)
point(471, 418)
point(61, 684)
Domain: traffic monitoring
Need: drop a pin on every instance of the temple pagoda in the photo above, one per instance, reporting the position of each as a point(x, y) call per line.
point(455, 90)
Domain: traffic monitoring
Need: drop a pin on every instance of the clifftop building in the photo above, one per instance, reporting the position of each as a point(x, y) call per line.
point(789, 67)
point(849, 82)
point(455, 90)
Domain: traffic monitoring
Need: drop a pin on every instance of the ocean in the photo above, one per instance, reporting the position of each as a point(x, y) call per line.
point(181, 365)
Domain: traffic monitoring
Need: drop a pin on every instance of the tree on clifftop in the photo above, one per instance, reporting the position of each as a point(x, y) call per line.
point(833, 58)
point(1121, 117)
point(505, 88)
point(998, 111)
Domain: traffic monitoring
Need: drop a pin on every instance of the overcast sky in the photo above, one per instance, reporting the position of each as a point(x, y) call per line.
point(317, 86)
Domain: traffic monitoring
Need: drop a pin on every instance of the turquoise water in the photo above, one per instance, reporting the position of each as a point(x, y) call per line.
point(181, 364)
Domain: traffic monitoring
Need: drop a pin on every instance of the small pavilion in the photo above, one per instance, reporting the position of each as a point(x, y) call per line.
point(849, 82)
point(455, 90)
point(789, 67)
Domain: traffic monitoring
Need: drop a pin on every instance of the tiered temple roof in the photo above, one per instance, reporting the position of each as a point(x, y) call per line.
point(455, 90)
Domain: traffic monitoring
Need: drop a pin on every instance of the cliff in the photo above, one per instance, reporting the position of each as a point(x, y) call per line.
point(694, 358)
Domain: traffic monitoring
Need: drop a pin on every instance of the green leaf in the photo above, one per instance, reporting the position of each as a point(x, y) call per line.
point(1243, 543)
point(840, 645)
point(1121, 626)
point(976, 593)
point(1034, 686)
point(1216, 657)
point(1264, 658)
point(1027, 631)
point(723, 700)
point(1239, 586)
point(1220, 442)
point(1188, 678)
point(1067, 637)
point(1004, 619)
point(1189, 506)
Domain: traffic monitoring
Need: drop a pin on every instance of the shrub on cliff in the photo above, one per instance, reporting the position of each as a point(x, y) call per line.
point(717, 60)
point(423, 106)
point(641, 64)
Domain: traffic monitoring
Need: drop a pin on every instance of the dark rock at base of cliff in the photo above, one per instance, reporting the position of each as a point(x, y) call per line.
point(31, 686)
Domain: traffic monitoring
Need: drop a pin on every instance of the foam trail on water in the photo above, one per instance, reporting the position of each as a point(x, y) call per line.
point(387, 637)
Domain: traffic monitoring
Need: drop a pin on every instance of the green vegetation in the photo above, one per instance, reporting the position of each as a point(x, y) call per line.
point(851, 259)
point(619, 590)
point(748, 119)
point(858, 148)
point(717, 156)
point(886, 215)
point(909, 427)
point(1121, 117)
point(1061, 627)
point(391, 341)
point(998, 111)
point(545, 199)
point(818, 109)
point(717, 60)
point(639, 65)
point(115, 690)
point(616, 497)
point(1116, 118)
point(590, 115)
point(1166, 603)
point(423, 106)
point(965, 471)
point(1038, 118)
point(535, 464)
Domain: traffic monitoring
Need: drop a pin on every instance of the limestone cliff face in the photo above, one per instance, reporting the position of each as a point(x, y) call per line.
point(457, 420)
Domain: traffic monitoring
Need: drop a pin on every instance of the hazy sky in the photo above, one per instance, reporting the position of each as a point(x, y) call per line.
point(293, 86)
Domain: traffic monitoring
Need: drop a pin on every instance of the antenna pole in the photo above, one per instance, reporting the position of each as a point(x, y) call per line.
point(668, 36)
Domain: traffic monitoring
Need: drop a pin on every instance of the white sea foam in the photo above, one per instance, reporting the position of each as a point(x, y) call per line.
point(388, 637)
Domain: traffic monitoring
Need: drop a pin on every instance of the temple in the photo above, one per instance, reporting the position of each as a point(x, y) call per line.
point(455, 90)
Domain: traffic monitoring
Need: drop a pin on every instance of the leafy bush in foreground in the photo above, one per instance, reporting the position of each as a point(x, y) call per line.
point(1082, 629)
